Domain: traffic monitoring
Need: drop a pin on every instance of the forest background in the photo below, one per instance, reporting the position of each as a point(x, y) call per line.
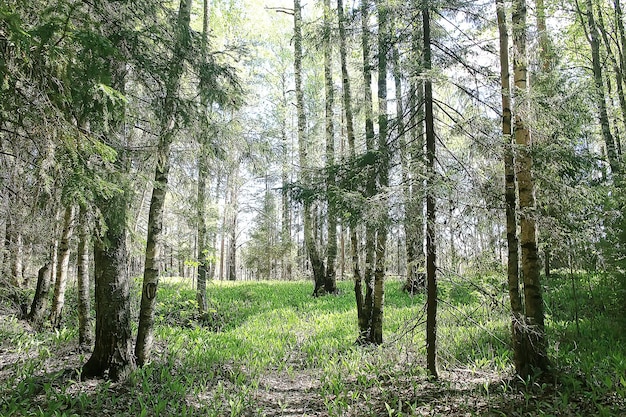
point(468, 154)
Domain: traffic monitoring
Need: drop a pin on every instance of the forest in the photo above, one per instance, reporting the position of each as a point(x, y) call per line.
point(279, 208)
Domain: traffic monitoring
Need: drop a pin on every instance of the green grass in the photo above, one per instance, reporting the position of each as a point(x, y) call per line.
point(269, 348)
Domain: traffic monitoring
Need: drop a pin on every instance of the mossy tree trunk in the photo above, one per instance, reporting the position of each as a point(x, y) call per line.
point(113, 350)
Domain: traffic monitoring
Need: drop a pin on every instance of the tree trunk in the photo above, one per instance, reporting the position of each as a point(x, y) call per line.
point(58, 301)
point(182, 46)
point(594, 43)
point(619, 78)
point(545, 52)
point(317, 264)
point(330, 279)
point(619, 19)
point(17, 257)
point(113, 337)
point(510, 190)
point(370, 188)
point(85, 336)
point(286, 241)
point(202, 251)
point(232, 250)
point(534, 353)
point(431, 268)
point(230, 217)
point(347, 105)
point(40, 300)
point(376, 333)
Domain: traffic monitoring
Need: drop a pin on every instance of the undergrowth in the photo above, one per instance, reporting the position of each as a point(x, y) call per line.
point(269, 348)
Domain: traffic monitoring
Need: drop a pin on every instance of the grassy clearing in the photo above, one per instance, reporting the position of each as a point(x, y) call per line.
point(269, 348)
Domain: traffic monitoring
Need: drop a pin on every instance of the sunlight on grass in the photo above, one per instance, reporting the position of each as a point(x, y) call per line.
point(259, 336)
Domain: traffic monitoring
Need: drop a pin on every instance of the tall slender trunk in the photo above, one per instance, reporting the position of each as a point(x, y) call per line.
point(416, 162)
point(85, 335)
point(370, 188)
point(202, 248)
point(317, 264)
point(286, 241)
point(619, 79)
point(594, 43)
point(58, 300)
point(286, 270)
point(545, 53)
point(382, 172)
point(619, 20)
point(330, 279)
point(431, 267)
point(232, 248)
point(533, 327)
point(510, 190)
point(347, 106)
point(155, 217)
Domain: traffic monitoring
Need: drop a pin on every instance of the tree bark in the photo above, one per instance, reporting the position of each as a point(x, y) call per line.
point(85, 335)
point(317, 264)
point(594, 43)
point(534, 353)
point(370, 188)
point(347, 105)
point(619, 19)
point(40, 300)
point(17, 257)
point(330, 279)
point(113, 337)
point(376, 333)
point(510, 197)
point(431, 267)
point(202, 254)
point(182, 46)
point(58, 300)
point(619, 77)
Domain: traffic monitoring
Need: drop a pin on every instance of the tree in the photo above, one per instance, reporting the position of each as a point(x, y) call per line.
point(168, 128)
point(431, 266)
point(593, 38)
point(329, 283)
point(370, 187)
point(85, 336)
point(382, 173)
point(317, 264)
point(202, 251)
point(58, 300)
point(533, 332)
point(347, 107)
point(510, 197)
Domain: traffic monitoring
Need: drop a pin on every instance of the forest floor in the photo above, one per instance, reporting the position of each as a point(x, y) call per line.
point(270, 349)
